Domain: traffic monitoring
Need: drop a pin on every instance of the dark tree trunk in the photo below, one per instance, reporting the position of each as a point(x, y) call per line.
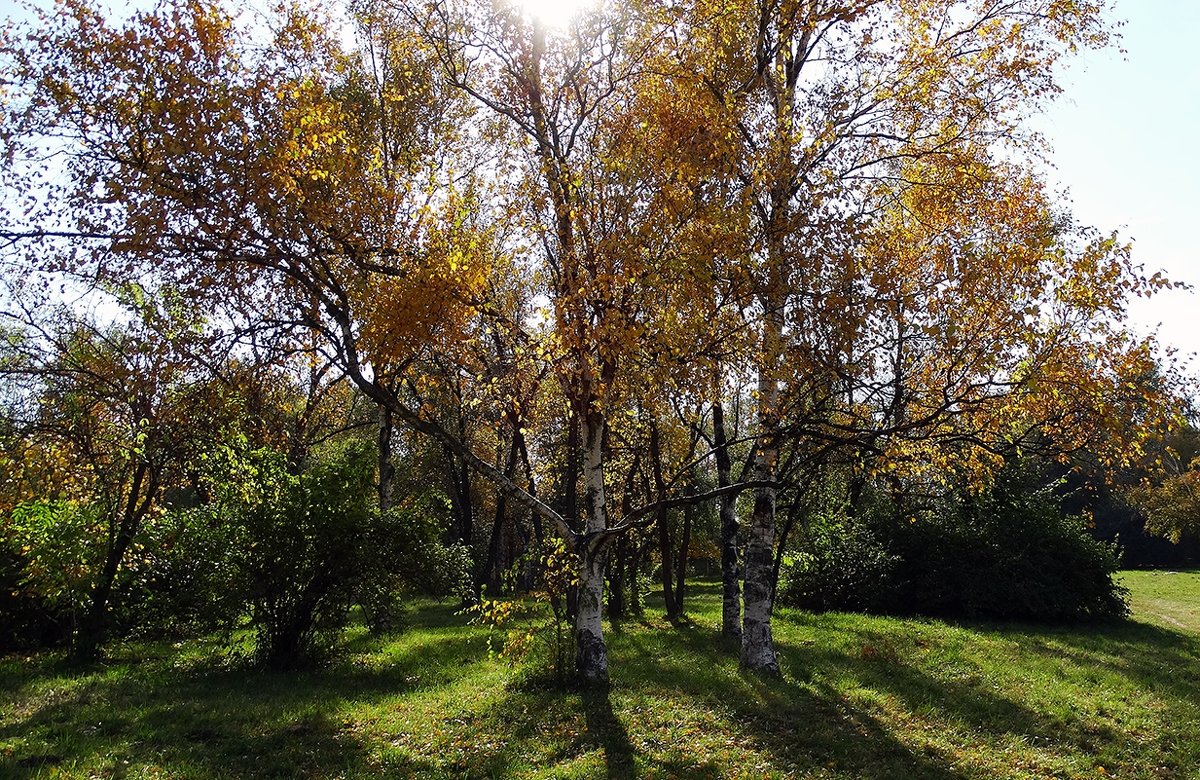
point(493, 570)
point(662, 519)
point(788, 523)
point(731, 586)
point(689, 512)
point(93, 627)
point(460, 497)
point(535, 519)
point(635, 591)
point(387, 471)
point(619, 555)
point(616, 578)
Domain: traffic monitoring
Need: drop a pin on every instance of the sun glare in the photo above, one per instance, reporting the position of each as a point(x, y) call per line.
point(554, 13)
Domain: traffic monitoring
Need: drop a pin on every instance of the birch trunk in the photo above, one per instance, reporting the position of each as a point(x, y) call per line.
point(591, 654)
point(758, 646)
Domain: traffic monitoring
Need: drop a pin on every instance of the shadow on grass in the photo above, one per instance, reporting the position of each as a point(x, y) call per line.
point(215, 722)
point(803, 727)
point(421, 703)
point(608, 732)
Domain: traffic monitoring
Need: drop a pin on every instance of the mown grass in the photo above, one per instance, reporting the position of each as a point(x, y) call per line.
point(860, 697)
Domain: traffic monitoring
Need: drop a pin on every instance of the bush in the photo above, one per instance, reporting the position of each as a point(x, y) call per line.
point(302, 540)
point(1009, 553)
point(293, 552)
point(310, 546)
point(841, 566)
point(407, 558)
point(184, 579)
point(50, 554)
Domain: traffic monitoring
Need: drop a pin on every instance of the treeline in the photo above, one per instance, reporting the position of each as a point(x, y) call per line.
point(732, 273)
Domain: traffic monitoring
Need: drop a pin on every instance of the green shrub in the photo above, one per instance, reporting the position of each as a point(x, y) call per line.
point(841, 566)
point(50, 555)
point(302, 541)
point(1008, 553)
point(408, 558)
point(312, 545)
point(184, 579)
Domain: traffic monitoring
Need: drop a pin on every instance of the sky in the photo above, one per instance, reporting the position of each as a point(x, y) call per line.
point(1126, 140)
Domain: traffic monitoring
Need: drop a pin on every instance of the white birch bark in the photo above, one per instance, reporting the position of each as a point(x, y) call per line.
point(591, 654)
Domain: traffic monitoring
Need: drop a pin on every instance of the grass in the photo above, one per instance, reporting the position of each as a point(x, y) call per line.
point(1170, 599)
point(860, 697)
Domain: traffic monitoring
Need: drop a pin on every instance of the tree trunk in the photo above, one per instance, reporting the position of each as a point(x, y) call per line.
point(571, 503)
point(689, 511)
point(535, 519)
point(662, 520)
point(781, 545)
point(618, 563)
point(591, 654)
point(758, 646)
point(460, 496)
point(387, 471)
point(731, 588)
point(616, 579)
point(635, 591)
point(93, 629)
point(492, 569)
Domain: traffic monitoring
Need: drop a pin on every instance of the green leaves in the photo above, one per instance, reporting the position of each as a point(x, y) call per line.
point(62, 546)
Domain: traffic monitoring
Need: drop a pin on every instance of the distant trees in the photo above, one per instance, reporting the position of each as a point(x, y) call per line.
point(1171, 503)
point(564, 265)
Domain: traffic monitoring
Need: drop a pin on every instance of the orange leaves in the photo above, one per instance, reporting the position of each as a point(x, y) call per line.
point(429, 297)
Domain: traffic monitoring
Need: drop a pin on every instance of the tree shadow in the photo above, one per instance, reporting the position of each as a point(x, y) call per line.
point(210, 721)
point(607, 732)
point(805, 728)
point(833, 711)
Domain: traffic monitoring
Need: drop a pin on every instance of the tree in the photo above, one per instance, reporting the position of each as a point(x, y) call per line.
point(842, 117)
point(1171, 504)
point(123, 407)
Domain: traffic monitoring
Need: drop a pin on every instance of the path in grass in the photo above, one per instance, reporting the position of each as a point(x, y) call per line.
point(860, 697)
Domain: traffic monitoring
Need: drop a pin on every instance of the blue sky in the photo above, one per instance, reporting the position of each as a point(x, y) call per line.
point(1126, 138)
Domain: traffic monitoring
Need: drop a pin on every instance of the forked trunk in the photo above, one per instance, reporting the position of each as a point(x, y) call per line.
point(92, 630)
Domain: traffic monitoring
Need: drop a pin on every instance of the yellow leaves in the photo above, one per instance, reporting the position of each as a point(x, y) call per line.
point(428, 298)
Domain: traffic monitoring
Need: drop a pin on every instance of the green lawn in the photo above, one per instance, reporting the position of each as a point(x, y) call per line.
point(859, 697)
point(1170, 599)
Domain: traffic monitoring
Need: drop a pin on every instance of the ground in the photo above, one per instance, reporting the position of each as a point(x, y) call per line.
point(859, 697)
